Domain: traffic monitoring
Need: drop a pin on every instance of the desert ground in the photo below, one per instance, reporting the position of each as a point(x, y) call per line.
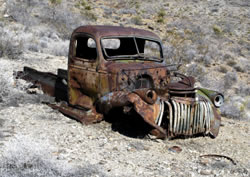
point(211, 38)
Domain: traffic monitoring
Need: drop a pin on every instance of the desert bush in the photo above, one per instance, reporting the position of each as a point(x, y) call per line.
point(127, 11)
point(10, 45)
point(13, 92)
point(58, 48)
point(217, 30)
point(231, 62)
point(168, 52)
point(17, 39)
point(55, 2)
point(24, 156)
point(189, 54)
point(230, 110)
point(4, 89)
point(86, 10)
point(137, 20)
point(207, 59)
point(161, 15)
point(89, 15)
point(61, 18)
point(239, 68)
point(223, 69)
point(237, 108)
point(196, 70)
point(230, 79)
point(243, 89)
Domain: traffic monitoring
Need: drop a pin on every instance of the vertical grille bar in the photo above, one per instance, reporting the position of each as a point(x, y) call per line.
point(181, 117)
point(175, 116)
point(178, 117)
point(170, 116)
point(195, 117)
point(204, 117)
point(192, 109)
point(188, 119)
point(185, 117)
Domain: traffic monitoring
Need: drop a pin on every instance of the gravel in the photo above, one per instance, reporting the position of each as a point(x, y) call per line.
point(38, 141)
point(210, 38)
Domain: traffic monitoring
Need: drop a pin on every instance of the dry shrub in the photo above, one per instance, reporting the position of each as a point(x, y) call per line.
point(24, 156)
point(10, 45)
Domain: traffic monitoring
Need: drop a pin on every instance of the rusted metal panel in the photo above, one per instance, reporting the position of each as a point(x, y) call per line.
point(85, 117)
point(51, 84)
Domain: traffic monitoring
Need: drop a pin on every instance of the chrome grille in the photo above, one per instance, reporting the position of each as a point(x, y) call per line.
point(188, 118)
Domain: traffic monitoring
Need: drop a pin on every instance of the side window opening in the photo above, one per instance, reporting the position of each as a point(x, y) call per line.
point(85, 47)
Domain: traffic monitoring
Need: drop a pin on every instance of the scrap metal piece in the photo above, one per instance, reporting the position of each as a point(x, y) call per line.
point(170, 118)
point(182, 114)
point(158, 120)
point(147, 112)
point(175, 116)
point(176, 149)
point(51, 84)
point(188, 119)
point(85, 117)
point(220, 156)
point(147, 95)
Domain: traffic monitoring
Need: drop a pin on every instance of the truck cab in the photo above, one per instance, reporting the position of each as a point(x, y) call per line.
point(104, 59)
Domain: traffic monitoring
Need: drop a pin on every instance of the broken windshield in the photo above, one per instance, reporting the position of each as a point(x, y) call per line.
point(118, 48)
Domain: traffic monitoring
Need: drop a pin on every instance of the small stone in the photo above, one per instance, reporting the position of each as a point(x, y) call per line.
point(150, 27)
point(5, 15)
point(102, 162)
point(127, 11)
point(206, 172)
point(204, 162)
point(137, 146)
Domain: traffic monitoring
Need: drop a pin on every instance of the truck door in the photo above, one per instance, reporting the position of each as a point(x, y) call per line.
point(83, 78)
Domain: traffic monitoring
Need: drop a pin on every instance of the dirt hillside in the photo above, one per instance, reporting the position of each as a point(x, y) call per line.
point(211, 38)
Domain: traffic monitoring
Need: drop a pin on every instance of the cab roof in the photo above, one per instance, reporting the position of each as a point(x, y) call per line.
point(108, 31)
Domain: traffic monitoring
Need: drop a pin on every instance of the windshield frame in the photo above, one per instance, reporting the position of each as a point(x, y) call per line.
point(138, 56)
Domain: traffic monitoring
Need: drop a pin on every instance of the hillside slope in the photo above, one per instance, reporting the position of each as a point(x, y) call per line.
point(210, 37)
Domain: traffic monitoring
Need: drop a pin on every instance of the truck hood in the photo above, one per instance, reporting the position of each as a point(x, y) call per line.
point(115, 67)
point(136, 75)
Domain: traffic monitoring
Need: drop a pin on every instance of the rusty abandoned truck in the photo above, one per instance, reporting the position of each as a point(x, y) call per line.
point(113, 67)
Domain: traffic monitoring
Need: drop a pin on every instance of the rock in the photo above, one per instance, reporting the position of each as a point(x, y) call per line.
point(108, 11)
point(137, 145)
point(6, 15)
point(204, 161)
point(127, 11)
point(206, 172)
